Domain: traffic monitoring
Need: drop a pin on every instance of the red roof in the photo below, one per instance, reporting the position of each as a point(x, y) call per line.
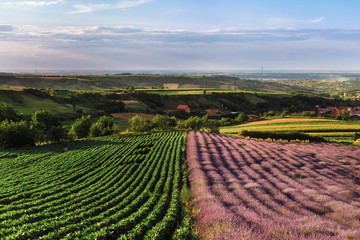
point(182, 107)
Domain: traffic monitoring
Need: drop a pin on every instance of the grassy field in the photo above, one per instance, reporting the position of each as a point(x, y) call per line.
point(327, 128)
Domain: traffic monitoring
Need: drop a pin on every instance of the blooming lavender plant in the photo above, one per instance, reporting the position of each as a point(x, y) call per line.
point(247, 189)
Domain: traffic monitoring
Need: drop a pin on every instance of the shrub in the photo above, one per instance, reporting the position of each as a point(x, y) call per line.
point(42, 122)
point(8, 113)
point(15, 134)
point(103, 127)
point(81, 127)
point(280, 135)
point(139, 124)
point(163, 122)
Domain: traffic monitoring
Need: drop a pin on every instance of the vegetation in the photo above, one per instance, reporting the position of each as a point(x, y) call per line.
point(103, 188)
point(247, 189)
point(326, 128)
point(105, 126)
point(81, 127)
point(15, 134)
point(279, 135)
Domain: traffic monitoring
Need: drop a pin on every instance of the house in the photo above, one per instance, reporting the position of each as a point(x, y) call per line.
point(184, 108)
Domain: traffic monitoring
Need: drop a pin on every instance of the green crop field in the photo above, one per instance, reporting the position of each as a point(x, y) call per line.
point(329, 129)
point(125, 187)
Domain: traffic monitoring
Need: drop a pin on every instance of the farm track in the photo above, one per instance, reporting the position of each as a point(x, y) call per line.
point(245, 189)
point(108, 188)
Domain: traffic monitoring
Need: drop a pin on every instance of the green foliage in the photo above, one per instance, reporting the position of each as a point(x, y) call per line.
point(344, 115)
point(129, 89)
point(81, 127)
point(163, 122)
point(139, 124)
point(285, 113)
point(72, 183)
point(279, 135)
point(193, 123)
point(42, 122)
point(242, 117)
point(8, 113)
point(224, 122)
point(269, 114)
point(15, 134)
point(103, 127)
point(200, 123)
point(57, 134)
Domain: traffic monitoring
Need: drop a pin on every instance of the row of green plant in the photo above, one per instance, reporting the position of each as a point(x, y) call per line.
point(91, 190)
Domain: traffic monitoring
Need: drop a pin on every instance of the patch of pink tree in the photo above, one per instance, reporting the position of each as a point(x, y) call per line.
point(247, 189)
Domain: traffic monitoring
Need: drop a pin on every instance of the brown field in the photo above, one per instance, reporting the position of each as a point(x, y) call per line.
point(128, 115)
point(288, 120)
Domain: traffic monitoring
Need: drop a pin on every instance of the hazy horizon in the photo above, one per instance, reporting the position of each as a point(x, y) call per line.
point(159, 35)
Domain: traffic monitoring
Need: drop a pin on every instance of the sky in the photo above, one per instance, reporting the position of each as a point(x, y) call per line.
point(210, 35)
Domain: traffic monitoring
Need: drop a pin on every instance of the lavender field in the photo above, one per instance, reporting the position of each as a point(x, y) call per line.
point(247, 189)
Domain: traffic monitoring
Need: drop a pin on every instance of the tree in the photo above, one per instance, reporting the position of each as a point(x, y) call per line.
point(241, 118)
point(57, 134)
point(139, 124)
point(42, 122)
point(15, 134)
point(81, 127)
point(344, 115)
point(163, 122)
point(194, 123)
point(285, 113)
point(8, 113)
point(269, 114)
point(103, 127)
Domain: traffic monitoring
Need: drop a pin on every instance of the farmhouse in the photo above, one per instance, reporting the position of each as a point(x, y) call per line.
point(334, 111)
point(184, 108)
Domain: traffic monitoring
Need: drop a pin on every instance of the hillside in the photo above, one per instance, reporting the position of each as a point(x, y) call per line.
point(68, 102)
point(98, 82)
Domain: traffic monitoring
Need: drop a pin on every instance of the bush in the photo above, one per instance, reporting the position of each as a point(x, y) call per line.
point(280, 135)
point(8, 113)
point(103, 127)
point(163, 122)
point(241, 118)
point(42, 122)
point(15, 134)
point(81, 127)
point(139, 124)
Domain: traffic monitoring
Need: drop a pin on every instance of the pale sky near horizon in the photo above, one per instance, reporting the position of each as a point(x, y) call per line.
point(179, 35)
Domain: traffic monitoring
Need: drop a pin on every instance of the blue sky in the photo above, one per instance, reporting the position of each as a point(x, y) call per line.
point(179, 35)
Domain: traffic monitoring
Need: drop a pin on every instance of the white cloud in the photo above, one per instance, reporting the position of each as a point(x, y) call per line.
point(35, 3)
point(282, 21)
point(86, 8)
point(317, 20)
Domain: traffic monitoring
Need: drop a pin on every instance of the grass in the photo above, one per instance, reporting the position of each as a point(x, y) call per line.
point(329, 129)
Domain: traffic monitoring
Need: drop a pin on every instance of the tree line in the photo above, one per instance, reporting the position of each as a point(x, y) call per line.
point(45, 127)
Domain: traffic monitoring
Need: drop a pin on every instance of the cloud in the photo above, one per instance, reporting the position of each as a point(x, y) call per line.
point(6, 28)
point(282, 21)
point(35, 3)
point(86, 8)
point(317, 20)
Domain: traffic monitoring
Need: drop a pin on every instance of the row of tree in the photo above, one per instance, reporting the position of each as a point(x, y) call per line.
point(45, 127)
point(166, 123)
